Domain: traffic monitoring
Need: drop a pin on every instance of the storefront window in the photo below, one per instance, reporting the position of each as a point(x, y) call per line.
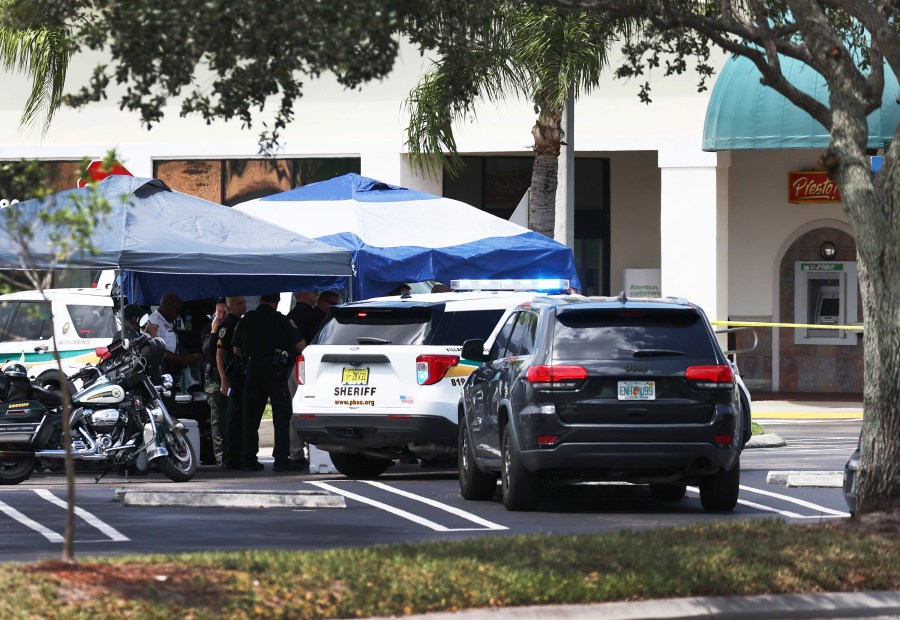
point(497, 185)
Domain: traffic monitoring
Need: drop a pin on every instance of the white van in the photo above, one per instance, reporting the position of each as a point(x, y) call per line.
point(83, 319)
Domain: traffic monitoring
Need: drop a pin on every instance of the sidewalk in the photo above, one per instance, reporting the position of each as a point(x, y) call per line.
point(775, 406)
point(830, 605)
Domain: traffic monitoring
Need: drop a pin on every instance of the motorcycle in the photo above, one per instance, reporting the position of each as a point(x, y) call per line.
point(118, 419)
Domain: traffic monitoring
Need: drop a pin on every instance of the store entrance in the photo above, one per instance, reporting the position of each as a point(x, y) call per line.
point(497, 184)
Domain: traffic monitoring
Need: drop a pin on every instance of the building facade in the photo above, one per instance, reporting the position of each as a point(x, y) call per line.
point(720, 227)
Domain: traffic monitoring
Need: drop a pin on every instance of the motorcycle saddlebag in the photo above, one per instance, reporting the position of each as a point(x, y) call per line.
point(20, 420)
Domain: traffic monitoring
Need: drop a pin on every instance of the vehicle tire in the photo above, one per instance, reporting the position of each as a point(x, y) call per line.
point(474, 484)
point(719, 491)
point(746, 420)
point(668, 492)
point(518, 486)
point(15, 469)
point(180, 464)
point(359, 466)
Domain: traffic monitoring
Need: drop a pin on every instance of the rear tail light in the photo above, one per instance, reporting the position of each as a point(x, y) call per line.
point(723, 440)
point(431, 368)
point(558, 377)
point(710, 377)
point(300, 367)
point(547, 440)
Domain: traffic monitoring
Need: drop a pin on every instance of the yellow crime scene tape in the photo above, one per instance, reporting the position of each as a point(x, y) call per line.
point(794, 415)
point(799, 325)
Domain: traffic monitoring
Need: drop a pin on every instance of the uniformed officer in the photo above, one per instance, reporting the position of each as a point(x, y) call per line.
point(218, 403)
point(268, 344)
point(231, 375)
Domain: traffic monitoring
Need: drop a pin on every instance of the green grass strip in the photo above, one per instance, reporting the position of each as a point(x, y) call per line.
point(730, 557)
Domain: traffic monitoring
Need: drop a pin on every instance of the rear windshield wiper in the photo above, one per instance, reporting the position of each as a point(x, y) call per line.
point(656, 352)
point(371, 340)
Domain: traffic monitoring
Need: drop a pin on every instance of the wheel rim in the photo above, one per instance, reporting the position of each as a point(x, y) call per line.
point(464, 454)
point(506, 464)
point(178, 446)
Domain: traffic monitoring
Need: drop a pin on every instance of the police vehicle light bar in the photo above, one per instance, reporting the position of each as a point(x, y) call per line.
point(538, 284)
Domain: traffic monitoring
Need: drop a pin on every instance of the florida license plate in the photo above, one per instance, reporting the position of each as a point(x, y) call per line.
point(355, 376)
point(637, 390)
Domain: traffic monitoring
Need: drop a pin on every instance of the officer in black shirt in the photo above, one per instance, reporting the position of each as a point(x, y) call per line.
point(304, 316)
point(268, 344)
point(231, 375)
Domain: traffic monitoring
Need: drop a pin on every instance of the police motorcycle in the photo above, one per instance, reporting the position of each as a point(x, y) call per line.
point(118, 418)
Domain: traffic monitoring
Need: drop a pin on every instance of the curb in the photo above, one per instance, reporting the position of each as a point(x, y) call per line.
point(766, 440)
point(820, 479)
point(760, 416)
point(829, 605)
point(229, 498)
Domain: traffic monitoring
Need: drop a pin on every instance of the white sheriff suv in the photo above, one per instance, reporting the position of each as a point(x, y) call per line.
point(383, 378)
point(83, 319)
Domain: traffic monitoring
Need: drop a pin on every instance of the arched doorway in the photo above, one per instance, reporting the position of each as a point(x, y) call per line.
point(815, 363)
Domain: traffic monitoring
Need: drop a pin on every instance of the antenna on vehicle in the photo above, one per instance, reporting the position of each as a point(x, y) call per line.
point(622, 299)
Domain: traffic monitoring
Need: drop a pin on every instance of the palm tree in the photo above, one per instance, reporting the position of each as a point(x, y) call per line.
point(41, 52)
point(539, 52)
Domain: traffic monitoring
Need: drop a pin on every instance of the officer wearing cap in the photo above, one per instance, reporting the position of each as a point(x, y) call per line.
point(268, 344)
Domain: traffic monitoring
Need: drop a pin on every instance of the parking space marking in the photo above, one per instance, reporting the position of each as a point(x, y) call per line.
point(828, 512)
point(799, 502)
point(823, 511)
point(37, 527)
point(783, 513)
point(468, 516)
point(393, 510)
point(113, 534)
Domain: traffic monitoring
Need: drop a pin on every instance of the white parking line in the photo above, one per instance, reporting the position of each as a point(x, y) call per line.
point(391, 509)
point(829, 513)
point(113, 534)
point(456, 511)
point(799, 502)
point(37, 527)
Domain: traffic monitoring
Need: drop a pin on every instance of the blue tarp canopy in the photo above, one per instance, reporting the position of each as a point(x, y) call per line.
point(400, 235)
point(169, 241)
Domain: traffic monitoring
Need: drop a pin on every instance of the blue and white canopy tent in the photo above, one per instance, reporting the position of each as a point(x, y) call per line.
point(400, 235)
point(169, 241)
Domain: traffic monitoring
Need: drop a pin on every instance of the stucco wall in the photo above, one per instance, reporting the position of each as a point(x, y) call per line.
point(761, 221)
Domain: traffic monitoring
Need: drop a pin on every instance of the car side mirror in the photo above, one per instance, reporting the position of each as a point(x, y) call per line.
point(474, 350)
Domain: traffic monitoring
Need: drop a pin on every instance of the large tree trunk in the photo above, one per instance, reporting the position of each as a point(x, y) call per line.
point(871, 205)
point(544, 175)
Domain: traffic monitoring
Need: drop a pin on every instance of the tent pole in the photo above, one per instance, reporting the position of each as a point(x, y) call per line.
point(122, 304)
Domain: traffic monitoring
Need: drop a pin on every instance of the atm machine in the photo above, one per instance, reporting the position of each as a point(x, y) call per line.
point(826, 293)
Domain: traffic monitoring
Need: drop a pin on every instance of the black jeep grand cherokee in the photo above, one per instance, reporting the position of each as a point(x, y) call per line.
point(615, 389)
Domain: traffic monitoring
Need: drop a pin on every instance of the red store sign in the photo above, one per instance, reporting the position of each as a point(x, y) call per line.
point(812, 186)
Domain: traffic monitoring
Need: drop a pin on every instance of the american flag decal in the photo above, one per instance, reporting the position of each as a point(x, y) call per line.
point(406, 400)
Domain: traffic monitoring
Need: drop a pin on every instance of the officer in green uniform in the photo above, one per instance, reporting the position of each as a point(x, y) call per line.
point(231, 375)
point(268, 344)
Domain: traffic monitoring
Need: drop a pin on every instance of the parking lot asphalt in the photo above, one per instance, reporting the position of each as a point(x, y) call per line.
point(823, 605)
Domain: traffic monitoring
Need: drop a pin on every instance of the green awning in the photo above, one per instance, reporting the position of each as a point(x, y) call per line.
point(743, 114)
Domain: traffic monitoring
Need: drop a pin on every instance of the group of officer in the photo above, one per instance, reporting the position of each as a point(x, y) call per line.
point(255, 355)
point(250, 358)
